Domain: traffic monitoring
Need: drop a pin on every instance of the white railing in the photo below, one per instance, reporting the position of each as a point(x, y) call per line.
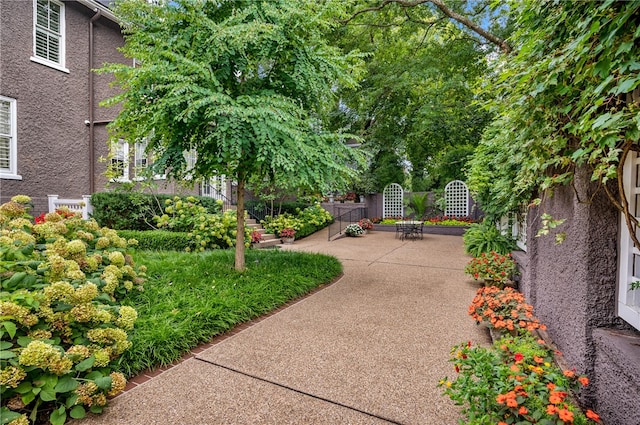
point(82, 206)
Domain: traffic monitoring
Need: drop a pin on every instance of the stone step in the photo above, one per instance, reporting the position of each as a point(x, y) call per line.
point(267, 243)
point(251, 222)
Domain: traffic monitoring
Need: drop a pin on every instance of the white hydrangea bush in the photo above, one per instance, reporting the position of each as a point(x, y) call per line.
point(61, 324)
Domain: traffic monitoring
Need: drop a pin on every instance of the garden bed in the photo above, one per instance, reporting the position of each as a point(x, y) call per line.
point(427, 229)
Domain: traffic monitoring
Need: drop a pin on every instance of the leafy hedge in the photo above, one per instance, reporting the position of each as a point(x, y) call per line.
point(135, 211)
point(208, 231)
point(305, 222)
point(159, 240)
point(62, 326)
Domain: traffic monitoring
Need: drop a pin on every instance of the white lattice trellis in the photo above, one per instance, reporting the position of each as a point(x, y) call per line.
point(456, 194)
point(393, 201)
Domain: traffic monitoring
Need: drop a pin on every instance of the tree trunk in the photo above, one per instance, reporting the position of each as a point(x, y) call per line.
point(239, 262)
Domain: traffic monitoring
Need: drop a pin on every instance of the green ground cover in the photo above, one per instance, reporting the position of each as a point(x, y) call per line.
point(190, 297)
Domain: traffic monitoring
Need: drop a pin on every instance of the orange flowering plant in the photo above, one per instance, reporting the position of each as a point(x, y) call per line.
point(503, 309)
point(493, 267)
point(514, 382)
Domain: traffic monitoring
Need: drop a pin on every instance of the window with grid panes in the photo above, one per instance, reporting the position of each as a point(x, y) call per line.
point(629, 265)
point(48, 32)
point(140, 158)
point(190, 157)
point(119, 161)
point(8, 138)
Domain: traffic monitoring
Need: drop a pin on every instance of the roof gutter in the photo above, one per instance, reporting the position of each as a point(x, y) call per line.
point(98, 7)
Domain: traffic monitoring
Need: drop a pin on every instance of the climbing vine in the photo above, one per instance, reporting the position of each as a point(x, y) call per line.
point(567, 97)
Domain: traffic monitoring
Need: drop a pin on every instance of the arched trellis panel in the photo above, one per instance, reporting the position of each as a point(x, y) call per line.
point(456, 195)
point(393, 201)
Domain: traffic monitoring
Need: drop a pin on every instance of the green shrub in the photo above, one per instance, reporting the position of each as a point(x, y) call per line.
point(485, 237)
point(313, 219)
point(62, 327)
point(135, 211)
point(159, 240)
point(304, 222)
point(181, 215)
point(206, 231)
point(283, 221)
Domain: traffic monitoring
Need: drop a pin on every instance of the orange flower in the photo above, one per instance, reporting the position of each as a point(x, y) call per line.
point(511, 402)
point(592, 415)
point(583, 380)
point(565, 415)
point(500, 399)
point(551, 386)
point(515, 368)
point(523, 410)
point(551, 409)
point(569, 373)
point(555, 397)
point(538, 359)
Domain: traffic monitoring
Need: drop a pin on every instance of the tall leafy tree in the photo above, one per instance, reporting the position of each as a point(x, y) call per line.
point(417, 99)
point(241, 82)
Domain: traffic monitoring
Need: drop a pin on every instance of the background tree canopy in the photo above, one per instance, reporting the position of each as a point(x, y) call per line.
point(416, 107)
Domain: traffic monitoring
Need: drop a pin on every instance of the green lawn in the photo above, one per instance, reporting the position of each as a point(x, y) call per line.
point(191, 297)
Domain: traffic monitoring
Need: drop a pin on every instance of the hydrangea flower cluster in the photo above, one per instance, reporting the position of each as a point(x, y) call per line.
point(61, 279)
point(304, 222)
point(209, 231)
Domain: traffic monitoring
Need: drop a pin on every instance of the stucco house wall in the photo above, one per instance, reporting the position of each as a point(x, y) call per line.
point(572, 287)
point(53, 105)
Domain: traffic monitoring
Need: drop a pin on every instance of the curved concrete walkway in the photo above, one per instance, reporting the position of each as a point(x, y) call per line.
point(369, 349)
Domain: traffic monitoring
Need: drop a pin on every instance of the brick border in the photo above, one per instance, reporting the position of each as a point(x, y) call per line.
point(149, 374)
